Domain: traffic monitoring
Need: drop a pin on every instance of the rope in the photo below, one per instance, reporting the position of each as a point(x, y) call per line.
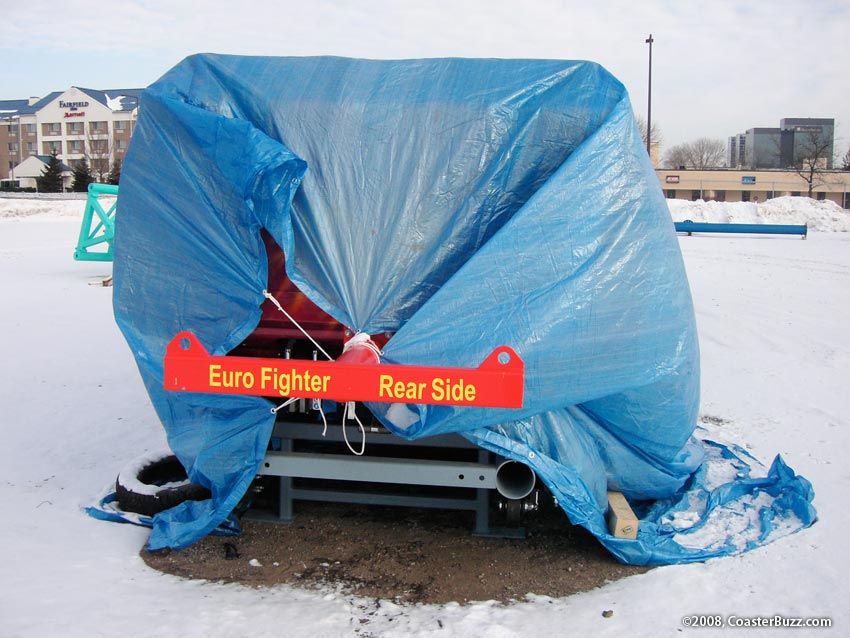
point(277, 408)
point(365, 341)
point(350, 410)
point(324, 419)
point(271, 298)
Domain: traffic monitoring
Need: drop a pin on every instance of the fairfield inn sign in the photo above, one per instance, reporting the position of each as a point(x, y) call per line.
point(72, 105)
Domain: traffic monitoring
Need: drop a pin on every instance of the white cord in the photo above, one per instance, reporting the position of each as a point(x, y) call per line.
point(283, 405)
point(324, 419)
point(365, 341)
point(271, 298)
point(349, 406)
point(350, 409)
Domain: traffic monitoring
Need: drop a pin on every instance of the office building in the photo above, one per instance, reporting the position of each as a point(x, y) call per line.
point(795, 140)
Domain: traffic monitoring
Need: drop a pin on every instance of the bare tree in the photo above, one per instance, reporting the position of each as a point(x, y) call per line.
point(677, 157)
point(98, 153)
point(702, 153)
point(656, 132)
point(845, 161)
point(812, 157)
point(709, 152)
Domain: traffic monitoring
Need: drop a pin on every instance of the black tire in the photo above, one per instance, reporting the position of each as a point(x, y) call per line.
point(146, 487)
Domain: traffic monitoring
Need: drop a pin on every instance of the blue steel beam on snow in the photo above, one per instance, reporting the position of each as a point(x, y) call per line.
point(691, 227)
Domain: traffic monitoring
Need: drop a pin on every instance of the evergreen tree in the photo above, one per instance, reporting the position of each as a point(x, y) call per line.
point(114, 173)
point(82, 176)
point(51, 178)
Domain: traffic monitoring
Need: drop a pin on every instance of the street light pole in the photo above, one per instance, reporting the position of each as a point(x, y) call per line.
point(649, 41)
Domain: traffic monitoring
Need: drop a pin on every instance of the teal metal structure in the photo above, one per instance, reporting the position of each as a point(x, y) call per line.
point(98, 226)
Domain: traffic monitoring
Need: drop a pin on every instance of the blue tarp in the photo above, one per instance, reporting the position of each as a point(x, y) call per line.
point(460, 204)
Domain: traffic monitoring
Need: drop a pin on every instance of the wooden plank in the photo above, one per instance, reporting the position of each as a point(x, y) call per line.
point(622, 522)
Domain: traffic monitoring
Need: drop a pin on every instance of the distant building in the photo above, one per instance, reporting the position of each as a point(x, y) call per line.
point(28, 172)
point(746, 185)
point(799, 134)
point(763, 148)
point(783, 147)
point(737, 149)
point(78, 123)
point(654, 150)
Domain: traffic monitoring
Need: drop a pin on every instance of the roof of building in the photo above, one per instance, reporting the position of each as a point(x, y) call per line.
point(812, 121)
point(34, 165)
point(29, 109)
point(46, 159)
point(115, 99)
point(11, 108)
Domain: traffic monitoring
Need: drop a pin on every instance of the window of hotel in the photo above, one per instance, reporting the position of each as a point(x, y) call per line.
point(97, 127)
point(121, 145)
point(30, 129)
point(74, 128)
point(745, 196)
point(821, 196)
point(13, 147)
point(49, 147)
point(53, 128)
point(720, 196)
point(32, 148)
point(99, 146)
point(120, 125)
point(671, 193)
point(75, 146)
point(695, 195)
point(13, 130)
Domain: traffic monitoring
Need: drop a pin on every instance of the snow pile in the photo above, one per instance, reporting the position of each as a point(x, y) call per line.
point(14, 207)
point(822, 215)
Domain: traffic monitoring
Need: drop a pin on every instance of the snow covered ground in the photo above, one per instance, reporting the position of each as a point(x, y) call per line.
point(775, 341)
point(819, 215)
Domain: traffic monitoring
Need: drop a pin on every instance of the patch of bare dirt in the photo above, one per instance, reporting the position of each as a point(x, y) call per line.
point(401, 554)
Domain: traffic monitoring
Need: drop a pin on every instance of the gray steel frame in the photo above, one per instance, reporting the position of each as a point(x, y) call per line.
point(287, 464)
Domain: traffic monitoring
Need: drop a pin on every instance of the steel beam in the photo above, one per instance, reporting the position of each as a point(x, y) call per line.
point(400, 471)
point(691, 227)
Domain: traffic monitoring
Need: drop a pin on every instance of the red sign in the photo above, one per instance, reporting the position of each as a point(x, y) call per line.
point(496, 383)
point(75, 114)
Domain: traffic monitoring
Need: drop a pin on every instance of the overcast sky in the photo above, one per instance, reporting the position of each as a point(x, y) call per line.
point(719, 67)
